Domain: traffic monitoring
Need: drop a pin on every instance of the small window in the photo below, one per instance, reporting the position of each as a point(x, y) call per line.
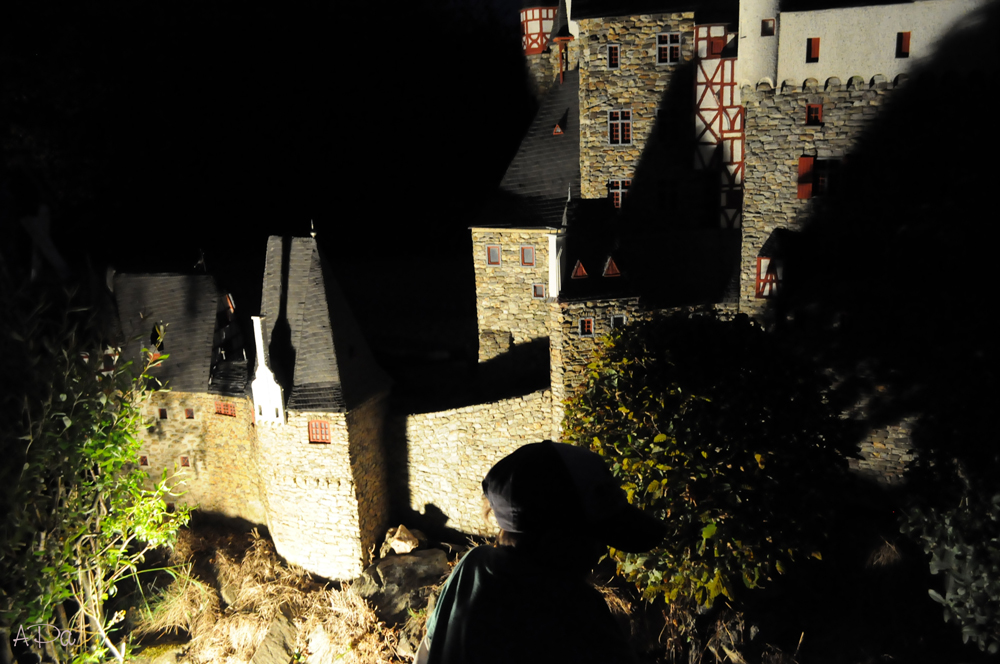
point(225, 408)
point(493, 254)
point(586, 327)
point(812, 49)
point(538, 291)
point(617, 321)
point(715, 46)
point(613, 56)
point(189, 413)
point(557, 131)
point(814, 114)
point(668, 48)
point(620, 127)
point(319, 431)
point(769, 275)
point(767, 27)
point(902, 44)
point(163, 413)
point(619, 189)
point(816, 176)
point(185, 462)
point(143, 460)
point(528, 256)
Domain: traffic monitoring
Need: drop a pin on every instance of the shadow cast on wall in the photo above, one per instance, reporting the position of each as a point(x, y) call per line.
point(890, 282)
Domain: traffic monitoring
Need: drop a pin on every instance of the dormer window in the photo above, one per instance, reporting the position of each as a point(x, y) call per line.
point(578, 271)
point(611, 269)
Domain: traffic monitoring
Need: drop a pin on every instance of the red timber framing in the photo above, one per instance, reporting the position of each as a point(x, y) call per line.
point(769, 274)
point(536, 24)
point(719, 119)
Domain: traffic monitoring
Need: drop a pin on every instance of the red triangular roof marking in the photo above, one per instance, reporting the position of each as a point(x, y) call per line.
point(557, 131)
point(611, 270)
point(579, 272)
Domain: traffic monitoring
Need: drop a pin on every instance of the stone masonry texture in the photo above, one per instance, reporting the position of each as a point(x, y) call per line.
point(637, 85)
point(449, 453)
point(776, 136)
point(221, 452)
point(506, 310)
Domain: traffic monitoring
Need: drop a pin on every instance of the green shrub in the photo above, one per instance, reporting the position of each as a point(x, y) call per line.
point(713, 428)
point(964, 546)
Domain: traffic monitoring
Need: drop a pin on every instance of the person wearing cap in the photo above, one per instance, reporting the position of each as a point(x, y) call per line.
point(527, 600)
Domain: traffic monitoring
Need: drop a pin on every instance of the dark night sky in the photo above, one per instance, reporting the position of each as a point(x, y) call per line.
point(155, 130)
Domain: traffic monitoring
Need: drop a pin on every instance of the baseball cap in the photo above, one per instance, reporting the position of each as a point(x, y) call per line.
point(548, 486)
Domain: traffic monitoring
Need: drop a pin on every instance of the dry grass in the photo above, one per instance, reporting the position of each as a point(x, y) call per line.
point(884, 555)
point(332, 624)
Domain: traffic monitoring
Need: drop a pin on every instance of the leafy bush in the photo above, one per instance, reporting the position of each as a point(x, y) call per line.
point(713, 428)
point(964, 546)
point(76, 518)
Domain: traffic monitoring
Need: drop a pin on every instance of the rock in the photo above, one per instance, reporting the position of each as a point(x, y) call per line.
point(401, 540)
point(398, 583)
point(278, 645)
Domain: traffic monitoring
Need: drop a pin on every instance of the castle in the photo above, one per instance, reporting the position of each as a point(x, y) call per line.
point(675, 146)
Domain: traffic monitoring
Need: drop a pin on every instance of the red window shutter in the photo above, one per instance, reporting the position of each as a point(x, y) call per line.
point(902, 44)
point(806, 176)
point(812, 49)
point(715, 46)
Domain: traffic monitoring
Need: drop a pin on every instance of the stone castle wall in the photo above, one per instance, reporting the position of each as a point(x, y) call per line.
point(776, 136)
point(326, 503)
point(221, 475)
point(885, 452)
point(449, 453)
point(366, 433)
point(637, 85)
point(507, 312)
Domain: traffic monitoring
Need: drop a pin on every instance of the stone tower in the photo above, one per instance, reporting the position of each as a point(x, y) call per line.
point(320, 401)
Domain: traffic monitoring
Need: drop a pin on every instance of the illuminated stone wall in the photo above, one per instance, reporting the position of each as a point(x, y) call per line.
point(637, 85)
point(221, 452)
point(506, 310)
point(449, 453)
point(327, 503)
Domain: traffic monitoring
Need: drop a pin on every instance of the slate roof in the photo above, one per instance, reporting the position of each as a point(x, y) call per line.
point(560, 27)
point(665, 268)
point(534, 189)
point(187, 304)
point(313, 344)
